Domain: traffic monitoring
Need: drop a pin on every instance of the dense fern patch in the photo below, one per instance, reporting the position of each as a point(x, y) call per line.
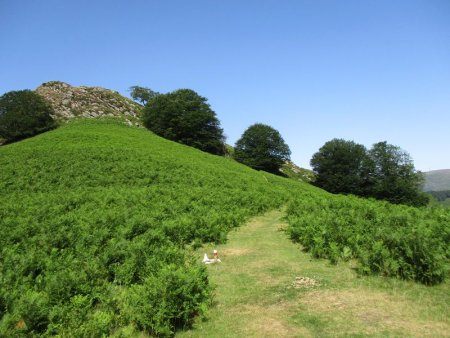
point(391, 240)
point(96, 222)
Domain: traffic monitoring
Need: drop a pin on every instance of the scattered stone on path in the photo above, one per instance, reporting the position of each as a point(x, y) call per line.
point(304, 282)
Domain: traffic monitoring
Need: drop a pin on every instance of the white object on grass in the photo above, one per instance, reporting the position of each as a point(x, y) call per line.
point(207, 260)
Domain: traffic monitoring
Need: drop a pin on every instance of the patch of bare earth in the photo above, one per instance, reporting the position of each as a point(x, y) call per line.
point(374, 311)
point(304, 282)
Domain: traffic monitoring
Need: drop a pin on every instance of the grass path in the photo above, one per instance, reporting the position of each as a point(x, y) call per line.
point(255, 296)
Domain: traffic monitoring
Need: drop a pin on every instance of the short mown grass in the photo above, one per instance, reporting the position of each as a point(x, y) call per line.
point(255, 296)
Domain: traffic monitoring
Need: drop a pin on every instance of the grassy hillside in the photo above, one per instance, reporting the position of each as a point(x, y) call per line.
point(437, 180)
point(99, 220)
point(95, 218)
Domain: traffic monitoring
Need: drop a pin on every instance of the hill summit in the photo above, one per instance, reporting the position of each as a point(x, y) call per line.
point(69, 102)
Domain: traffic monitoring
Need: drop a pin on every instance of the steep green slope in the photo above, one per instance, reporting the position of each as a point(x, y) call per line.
point(95, 219)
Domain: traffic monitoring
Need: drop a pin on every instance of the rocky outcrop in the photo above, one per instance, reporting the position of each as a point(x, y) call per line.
point(291, 170)
point(70, 102)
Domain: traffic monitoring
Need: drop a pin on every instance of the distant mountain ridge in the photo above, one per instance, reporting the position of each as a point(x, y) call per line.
point(437, 180)
point(69, 102)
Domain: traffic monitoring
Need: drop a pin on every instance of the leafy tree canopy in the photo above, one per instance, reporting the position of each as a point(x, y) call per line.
point(23, 114)
point(142, 94)
point(392, 175)
point(185, 117)
point(261, 147)
point(384, 172)
point(338, 165)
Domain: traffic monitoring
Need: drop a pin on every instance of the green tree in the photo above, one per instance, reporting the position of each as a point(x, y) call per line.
point(185, 117)
point(261, 147)
point(384, 172)
point(392, 175)
point(339, 167)
point(23, 114)
point(142, 94)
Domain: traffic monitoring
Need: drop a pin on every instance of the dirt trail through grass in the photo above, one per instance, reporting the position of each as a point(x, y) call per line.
point(259, 293)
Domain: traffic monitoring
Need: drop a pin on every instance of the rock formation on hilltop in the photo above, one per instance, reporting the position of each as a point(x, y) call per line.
point(69, 102)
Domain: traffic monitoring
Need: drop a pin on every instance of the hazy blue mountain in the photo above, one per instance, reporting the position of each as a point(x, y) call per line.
point(437, 180)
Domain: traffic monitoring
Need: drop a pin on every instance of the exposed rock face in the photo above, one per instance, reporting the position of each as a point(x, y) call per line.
point(69, 102)
point(291, 170)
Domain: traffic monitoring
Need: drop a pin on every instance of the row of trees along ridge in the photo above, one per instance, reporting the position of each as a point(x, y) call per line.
point(383, 172)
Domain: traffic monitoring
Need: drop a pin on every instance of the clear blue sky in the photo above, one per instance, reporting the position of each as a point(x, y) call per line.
point(362, 70)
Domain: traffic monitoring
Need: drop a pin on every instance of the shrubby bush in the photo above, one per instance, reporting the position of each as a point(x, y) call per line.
point(171, 300)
